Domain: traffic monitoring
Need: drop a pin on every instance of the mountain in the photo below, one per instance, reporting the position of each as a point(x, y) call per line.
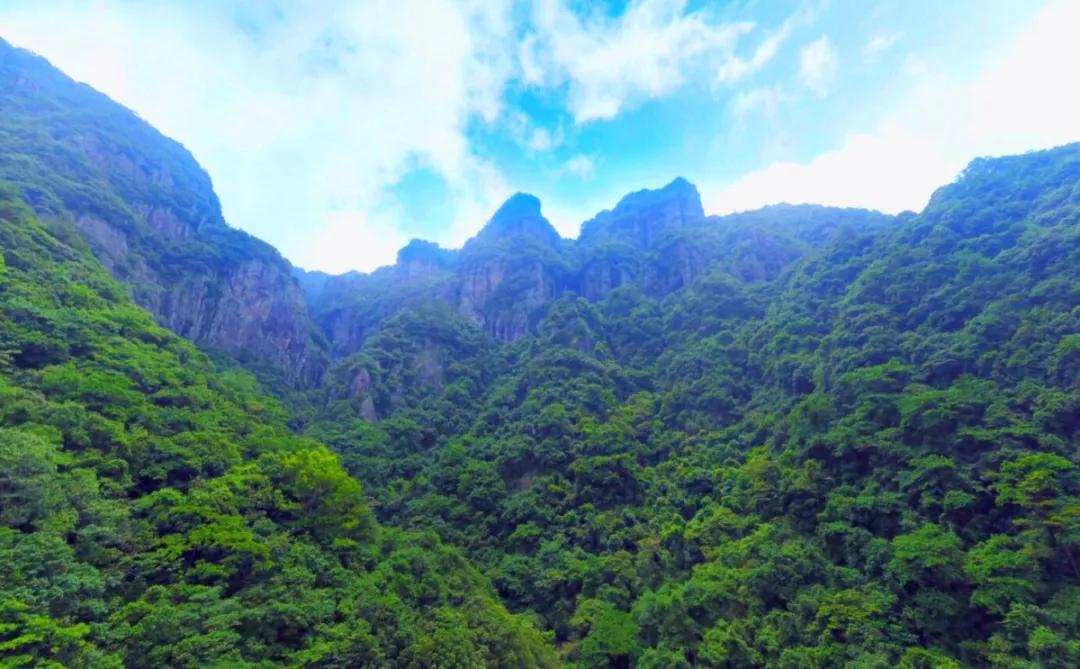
point(516, 266)
point(799, 436)
point(151, 217)
point(844, 440)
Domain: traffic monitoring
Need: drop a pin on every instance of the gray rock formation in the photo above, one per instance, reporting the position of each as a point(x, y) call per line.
point(505, 277)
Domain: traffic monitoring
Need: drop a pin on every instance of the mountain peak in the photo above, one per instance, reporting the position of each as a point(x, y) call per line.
point(679, 197)
point(519, 216)
point(647, 214)
point(518, 205)
point(422, 258)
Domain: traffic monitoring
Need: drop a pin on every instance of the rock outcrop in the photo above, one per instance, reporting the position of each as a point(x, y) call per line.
point(505, 277)
point(518, 219)
point(647, 216)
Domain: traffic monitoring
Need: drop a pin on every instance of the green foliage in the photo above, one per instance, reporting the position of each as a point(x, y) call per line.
point(868, 459)
point(154, 512)
point(798, 437)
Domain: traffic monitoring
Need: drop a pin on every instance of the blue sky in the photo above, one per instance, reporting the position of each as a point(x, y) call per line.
point(339, 130)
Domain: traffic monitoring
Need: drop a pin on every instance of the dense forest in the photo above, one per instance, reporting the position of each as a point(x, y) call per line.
point(794, 437)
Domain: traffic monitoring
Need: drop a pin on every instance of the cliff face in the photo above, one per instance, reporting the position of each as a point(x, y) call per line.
point(645, 217)
point(149, 213)
point(512, 268)
point(504, 279)
point(499, 281)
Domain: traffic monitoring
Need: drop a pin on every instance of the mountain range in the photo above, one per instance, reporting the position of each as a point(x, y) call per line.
point(800, 436)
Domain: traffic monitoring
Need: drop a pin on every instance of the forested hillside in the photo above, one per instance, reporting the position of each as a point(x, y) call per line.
point(794, 437)
point(156, 513)
point(870, 461)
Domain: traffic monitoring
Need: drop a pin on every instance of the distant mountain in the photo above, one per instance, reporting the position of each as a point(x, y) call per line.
point(150, 215)
point(510, 272)
point(793, 437)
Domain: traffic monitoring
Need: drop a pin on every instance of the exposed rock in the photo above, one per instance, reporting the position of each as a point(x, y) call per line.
point(676, 267)
point(109, 244)
point(421, 259)
point(367, 409)
point(601, 276)
point(164, 222)
point(361, 382)
point(647, 216)
point(477, 284)
point(519, 217)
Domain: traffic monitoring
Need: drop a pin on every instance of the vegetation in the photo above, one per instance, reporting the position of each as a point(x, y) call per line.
point(154, 512)
point(868, 462)
point(798, 437)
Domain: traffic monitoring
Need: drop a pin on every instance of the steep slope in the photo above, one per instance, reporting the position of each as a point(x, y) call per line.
point(151, 217)
point(872, 459)
point(154, 513)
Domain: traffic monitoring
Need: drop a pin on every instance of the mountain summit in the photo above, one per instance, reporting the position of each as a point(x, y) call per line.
point(518, 217)
point(647, 215)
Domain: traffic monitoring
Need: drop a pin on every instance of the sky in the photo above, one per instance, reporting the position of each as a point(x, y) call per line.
point(338, 130)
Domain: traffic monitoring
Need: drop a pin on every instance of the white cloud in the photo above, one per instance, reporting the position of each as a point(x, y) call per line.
point(582, 166)
point(879, 43)
point(764, 100)
point(542, 140)
point(349, 239)
point(1021, 102)
point(888, 171)
point(533, 137)
point(817, 65)
point(647, 52)
point(735, 69)
point(307, 116)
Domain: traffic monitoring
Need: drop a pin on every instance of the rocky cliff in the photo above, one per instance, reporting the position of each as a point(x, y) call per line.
point(658, 241)
point(149, 213)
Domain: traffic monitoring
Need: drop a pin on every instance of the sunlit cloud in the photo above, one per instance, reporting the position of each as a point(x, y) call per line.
point(582, 166)
point(818, 62)
point(766, 101)
point(1009, 108)
point(650, 50)
point(879, 43)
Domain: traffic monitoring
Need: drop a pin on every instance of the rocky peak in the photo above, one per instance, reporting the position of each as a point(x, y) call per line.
point(646, 215)
point(519, 216)
point(422, 258)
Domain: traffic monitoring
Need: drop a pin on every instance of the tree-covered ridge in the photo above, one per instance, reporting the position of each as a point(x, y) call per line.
point(154, 512)
point(870, 461)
